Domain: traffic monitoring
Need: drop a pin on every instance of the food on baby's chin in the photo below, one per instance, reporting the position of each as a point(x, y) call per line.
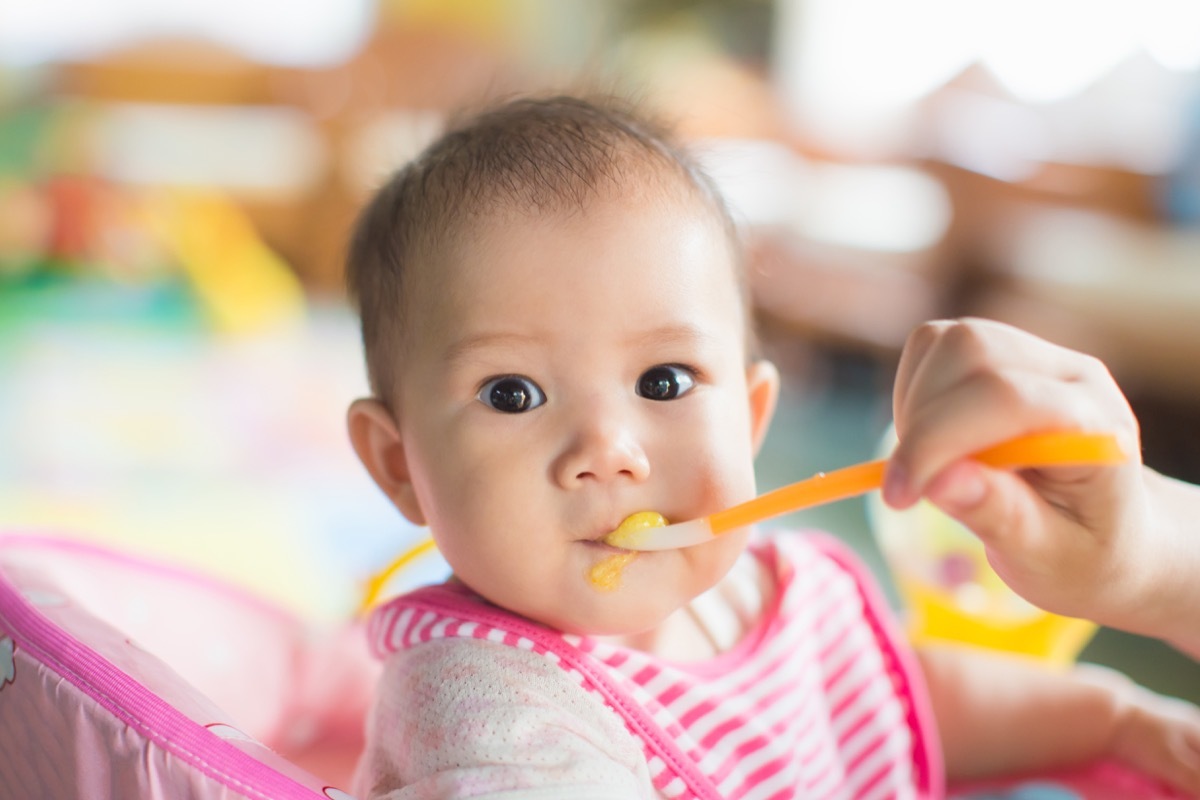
point(606, 575)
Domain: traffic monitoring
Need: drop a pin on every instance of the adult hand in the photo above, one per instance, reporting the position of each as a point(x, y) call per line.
point(1087, 541)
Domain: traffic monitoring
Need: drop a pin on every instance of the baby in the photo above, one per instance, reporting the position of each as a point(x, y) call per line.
point(557, 334)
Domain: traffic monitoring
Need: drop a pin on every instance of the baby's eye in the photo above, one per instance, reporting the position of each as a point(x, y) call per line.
point(665, 382)
point(511, 394)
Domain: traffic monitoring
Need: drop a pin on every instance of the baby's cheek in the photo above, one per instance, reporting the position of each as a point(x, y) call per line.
point(710, 562)
point(719, 482)
point(726, 460)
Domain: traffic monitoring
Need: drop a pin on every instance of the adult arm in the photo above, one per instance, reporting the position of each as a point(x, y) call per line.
point(1002, 715)
point(1172, 610)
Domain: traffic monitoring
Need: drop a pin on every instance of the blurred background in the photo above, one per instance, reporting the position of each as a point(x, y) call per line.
point(177, 181)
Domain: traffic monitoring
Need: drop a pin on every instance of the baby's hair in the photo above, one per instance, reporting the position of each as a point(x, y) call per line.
point(531, 154)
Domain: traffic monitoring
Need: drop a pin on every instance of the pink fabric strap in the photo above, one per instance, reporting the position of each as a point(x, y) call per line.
point(927, 750)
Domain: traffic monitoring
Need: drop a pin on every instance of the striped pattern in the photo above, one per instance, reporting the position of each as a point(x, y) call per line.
point(812, 704)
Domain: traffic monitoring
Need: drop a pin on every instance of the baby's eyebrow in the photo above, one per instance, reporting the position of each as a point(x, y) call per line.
point(465, 347)
point(681, 334)
point(678, 335)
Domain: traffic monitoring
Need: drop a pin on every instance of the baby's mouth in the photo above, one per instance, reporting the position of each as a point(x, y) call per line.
point(633, 529)
point(612, 536)
point(596, 538)
point(598, 543)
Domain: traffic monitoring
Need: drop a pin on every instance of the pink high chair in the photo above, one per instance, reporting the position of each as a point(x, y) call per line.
point(123, 678)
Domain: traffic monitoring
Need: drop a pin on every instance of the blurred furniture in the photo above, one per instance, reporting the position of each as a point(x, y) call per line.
point(1125, 291)
point(377, 105)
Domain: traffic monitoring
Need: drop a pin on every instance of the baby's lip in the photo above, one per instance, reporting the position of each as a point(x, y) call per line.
point(603, 532)
point(601, 546)
point(610, 524)
point(611, 528)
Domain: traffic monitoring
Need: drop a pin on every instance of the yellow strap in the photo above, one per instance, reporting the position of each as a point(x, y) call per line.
point(379, 580)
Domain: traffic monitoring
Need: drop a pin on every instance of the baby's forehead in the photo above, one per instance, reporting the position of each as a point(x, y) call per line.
point(472, 238)
point(436, 292)
point(513, 258)
point(641, 180)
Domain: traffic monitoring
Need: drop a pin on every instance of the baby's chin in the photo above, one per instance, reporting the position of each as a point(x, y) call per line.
point(644, 595)
point(624, 612)
point(631, 609)
point(648, 600)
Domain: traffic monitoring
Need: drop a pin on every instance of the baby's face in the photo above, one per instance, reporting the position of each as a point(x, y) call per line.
point(564, 372)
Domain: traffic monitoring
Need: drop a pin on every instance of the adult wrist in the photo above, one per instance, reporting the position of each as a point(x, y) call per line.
point(1165, 602)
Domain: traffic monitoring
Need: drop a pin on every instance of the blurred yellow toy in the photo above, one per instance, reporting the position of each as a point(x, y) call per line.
point(375, 585)
point(240, 281)
point(950, 592)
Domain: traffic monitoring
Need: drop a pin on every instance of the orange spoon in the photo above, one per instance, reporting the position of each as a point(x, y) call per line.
point(1056, 449)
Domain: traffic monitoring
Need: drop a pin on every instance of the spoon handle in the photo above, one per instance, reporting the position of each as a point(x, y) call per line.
point(824, 487)
point(1055, 449)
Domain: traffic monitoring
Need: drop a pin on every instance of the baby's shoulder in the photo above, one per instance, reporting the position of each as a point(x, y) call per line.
point(475, 665)
point(457, 701)
point(447, 646)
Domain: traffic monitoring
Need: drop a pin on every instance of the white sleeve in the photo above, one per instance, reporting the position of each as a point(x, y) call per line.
point(470, 718)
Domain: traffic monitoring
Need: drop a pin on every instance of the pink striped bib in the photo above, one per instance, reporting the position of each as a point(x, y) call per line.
point(818, 700)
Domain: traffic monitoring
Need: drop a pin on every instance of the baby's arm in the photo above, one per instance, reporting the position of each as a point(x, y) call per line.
point(1006, 715)
point(1113, 544)
point(464, 718)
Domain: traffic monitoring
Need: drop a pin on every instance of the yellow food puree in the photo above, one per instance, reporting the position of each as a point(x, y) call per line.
point(605, 576)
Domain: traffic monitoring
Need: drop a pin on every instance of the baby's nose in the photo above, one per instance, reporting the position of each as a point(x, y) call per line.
point(603, 451)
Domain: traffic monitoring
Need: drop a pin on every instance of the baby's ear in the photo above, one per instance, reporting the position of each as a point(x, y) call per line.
point(377, 441)
point(762, 388)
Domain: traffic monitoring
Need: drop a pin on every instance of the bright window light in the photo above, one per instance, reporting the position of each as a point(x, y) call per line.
point(851, 69)
point(1171, 32)
point(1047, 50)
point(285, 32)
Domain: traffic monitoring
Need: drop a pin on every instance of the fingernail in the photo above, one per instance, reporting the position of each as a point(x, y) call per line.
point(960, 488)
point(896, 490)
